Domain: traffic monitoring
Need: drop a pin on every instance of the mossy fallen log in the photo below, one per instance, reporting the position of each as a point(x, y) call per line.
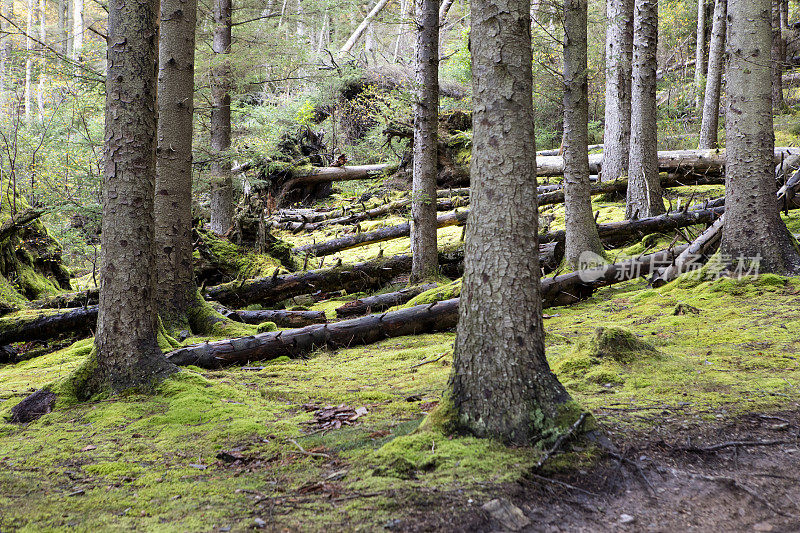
point(30, 325)
point(281, 317)
point(425, 318)
point(68, 300)
point(381, 302)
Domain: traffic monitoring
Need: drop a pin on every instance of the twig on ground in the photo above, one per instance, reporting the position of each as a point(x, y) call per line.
point(428, 361)
point(560, 440)
point(304, 452)
point(561, 483)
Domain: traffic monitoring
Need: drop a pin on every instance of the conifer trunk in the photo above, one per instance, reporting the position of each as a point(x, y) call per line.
point(619, 51)
point(221, 181)
point(426, 123)
point(501, 384)
point(716, 60)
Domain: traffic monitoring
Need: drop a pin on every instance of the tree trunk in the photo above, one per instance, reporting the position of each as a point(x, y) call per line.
point(221, 182)
point(619, 51)
point(70, 24)
point(28, 60)
point(6, 53)
point(778, 59)
point(716, 57)
point(77, 31)
point(45, 325)
point(363, 26)
point(61, 28)
point(700, 55)
point(41, 13)
point(581, 228)
point(281, 318)
point(644, 189)
point(753, 228)
point(173, 214)
point(426, 157)
point(127, 352)
point(500, 373)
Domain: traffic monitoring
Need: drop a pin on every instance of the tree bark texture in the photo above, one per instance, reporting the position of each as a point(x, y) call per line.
point(753, 227)
point(580, 226)
point(173, 198)
point(644, 189)
point(77, 30)
point(127, 352)
point(777, 54)
point(716, 60)
point(426, 124)
point(619, 52)
point(221, 182)
point(501, 379)
point(381, 302)
point(700, 55)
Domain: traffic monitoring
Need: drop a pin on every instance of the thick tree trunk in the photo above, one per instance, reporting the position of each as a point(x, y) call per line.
point(700, 55)
point(426, 157)
point(6, 53)
point(777, 55)
point(581, 228)
point(716, 59)
point(753, 229)
point(426, 318)
point(173, 215)
point(221, 182)
point(619, 52)
point(381, 302)
point(500, 373)
point(644, 189)
point(127, 352)
point(61, 28)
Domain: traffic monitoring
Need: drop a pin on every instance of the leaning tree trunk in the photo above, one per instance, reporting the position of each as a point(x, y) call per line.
point(579, 222)
point(619, 51)
point(426, 123)
point(379, 5)
point(716, 57)
point(778, 59)
point(173, 215)
point(221, 182)
point(753, 229)
point(644, 189)
point(127, 352)
point(700, 55)
point(500, 373)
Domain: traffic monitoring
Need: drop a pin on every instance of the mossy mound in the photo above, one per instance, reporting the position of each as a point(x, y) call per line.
point(221, 260)
point(616, 343)
point(437, 294)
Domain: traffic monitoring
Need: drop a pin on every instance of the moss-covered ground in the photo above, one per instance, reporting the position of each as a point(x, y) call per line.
point(219, 450)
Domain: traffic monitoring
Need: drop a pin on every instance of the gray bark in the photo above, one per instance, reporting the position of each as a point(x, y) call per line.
point(778, 59)
point(127, 352)
point(501, 384)
point(426, 124)
point(753, 226)
point(61, 28)
point(77, 30)
point(644, 188)
point(41, 13)
point(700, 55)
point(716, 58)
point(619, 52)
point(173, 199)
point(221, 181)
point(580, 225)
point(28, 59)
point(6, 52)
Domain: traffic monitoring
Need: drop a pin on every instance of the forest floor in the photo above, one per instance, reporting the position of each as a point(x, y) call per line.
point(334, 442)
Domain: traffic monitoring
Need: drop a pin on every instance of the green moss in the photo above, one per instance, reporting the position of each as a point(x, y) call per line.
point(437, 294)
point(616, 343)
point(266, 326)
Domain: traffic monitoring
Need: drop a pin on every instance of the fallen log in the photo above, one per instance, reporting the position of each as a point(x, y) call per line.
point(44, 325)
point(68, 300)
point(282, 318)
point(425, 318)
point(331, 174)
point(384, 234)
point(369, 275)
point(698, 161)
point(381, 302)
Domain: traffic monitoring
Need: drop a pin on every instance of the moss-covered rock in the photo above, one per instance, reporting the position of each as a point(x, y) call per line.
point(616, 343)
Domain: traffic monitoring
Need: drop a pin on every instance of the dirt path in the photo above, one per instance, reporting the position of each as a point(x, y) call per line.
point(694, 484)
